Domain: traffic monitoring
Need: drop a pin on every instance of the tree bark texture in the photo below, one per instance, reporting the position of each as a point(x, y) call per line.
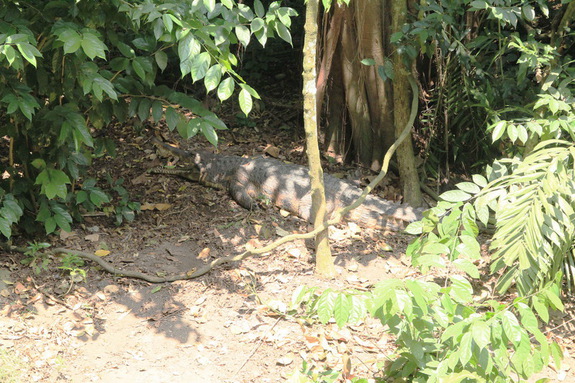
point(356, 104)
point(401, 105)
point(324, 260)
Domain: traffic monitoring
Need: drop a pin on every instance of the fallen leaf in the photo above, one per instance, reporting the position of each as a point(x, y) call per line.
point(65, 234)
point(102, 253)
point(281, 232)
point(284, 213)
point(142, 178)
point(204, 254)
point(285, 361)
point(384, 246)
point(272, 151)
point(156, 206)
point(92, 237)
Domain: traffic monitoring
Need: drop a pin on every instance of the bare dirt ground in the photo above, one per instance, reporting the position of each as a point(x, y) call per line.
point(222, 327)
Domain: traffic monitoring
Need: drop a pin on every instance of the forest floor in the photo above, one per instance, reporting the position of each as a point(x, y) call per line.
point(222, 327)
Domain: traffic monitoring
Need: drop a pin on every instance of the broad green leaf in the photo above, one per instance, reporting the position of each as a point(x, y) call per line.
point(461, 290)
point(464, 349)
point(414, 228)
point(172, 118)
point(257, 24)
point(467, 266)
point(481, 333)
point(157, 110)
point(200, 65)
point(455, 196)
point(418, 295)
point(161, 60)
point(71, 39)
point(139, 68)
point(243, 33)
point(511, 327)
point(498, 130)
point(259, 8)
point(468, 187)
point(213, 77)
point(528, 12)
point(92, 46)
point(226, 89)
point(210, 133)
point(250, 90)
point(342, 309)
point(325, 305)
point(479, 180)
point(144, 109)
point(53, 182)
point(541, 308)
point(245, 100)
point(29, 52)
point(5, 227)
point(283, 33)
point(469, 247)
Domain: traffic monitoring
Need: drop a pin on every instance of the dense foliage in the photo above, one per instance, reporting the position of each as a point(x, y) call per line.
point(443, 334)
point(508, 66)
point(69, 68)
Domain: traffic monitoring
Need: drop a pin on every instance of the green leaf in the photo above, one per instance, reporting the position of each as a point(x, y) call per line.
point(98, 197)
point(455, 196)
point(210, 133)
point(243, 33)
point(53, 183)
point(172, 118)
point(467, 266)
point(465, 349)
point(511, 327)
point(478, 4)
point(200, 65)
point(71, 39)
point(283, 33)
point(256, 25)
point(5, 227)
point(481, 333)
point(342, 309)
point(498, 130)
point(226, 89)
point(29, 52)
point(325, 305)
point(461, 290)
point(213, 77)
point(479, 180)
point(139, 68)
point(93, 47)
point(468, 187)
point(259, 8)
point(161, 60)
point(157, 110)
point(245, 100)
point(469, 247)
point(414, 228)
point(541, 308)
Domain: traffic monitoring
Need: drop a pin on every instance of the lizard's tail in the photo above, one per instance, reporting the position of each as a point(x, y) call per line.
point(172, 149)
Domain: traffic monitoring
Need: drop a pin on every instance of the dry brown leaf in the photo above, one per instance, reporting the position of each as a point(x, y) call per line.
point(92, 237)
point(272, 151)
point(204, 254)
point(156, 206)
point(101, 252)
point(142, 178)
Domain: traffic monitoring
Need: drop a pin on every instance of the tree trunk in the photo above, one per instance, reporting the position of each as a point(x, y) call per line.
point(358, 105)
point(402, 105)
point(324, 260)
